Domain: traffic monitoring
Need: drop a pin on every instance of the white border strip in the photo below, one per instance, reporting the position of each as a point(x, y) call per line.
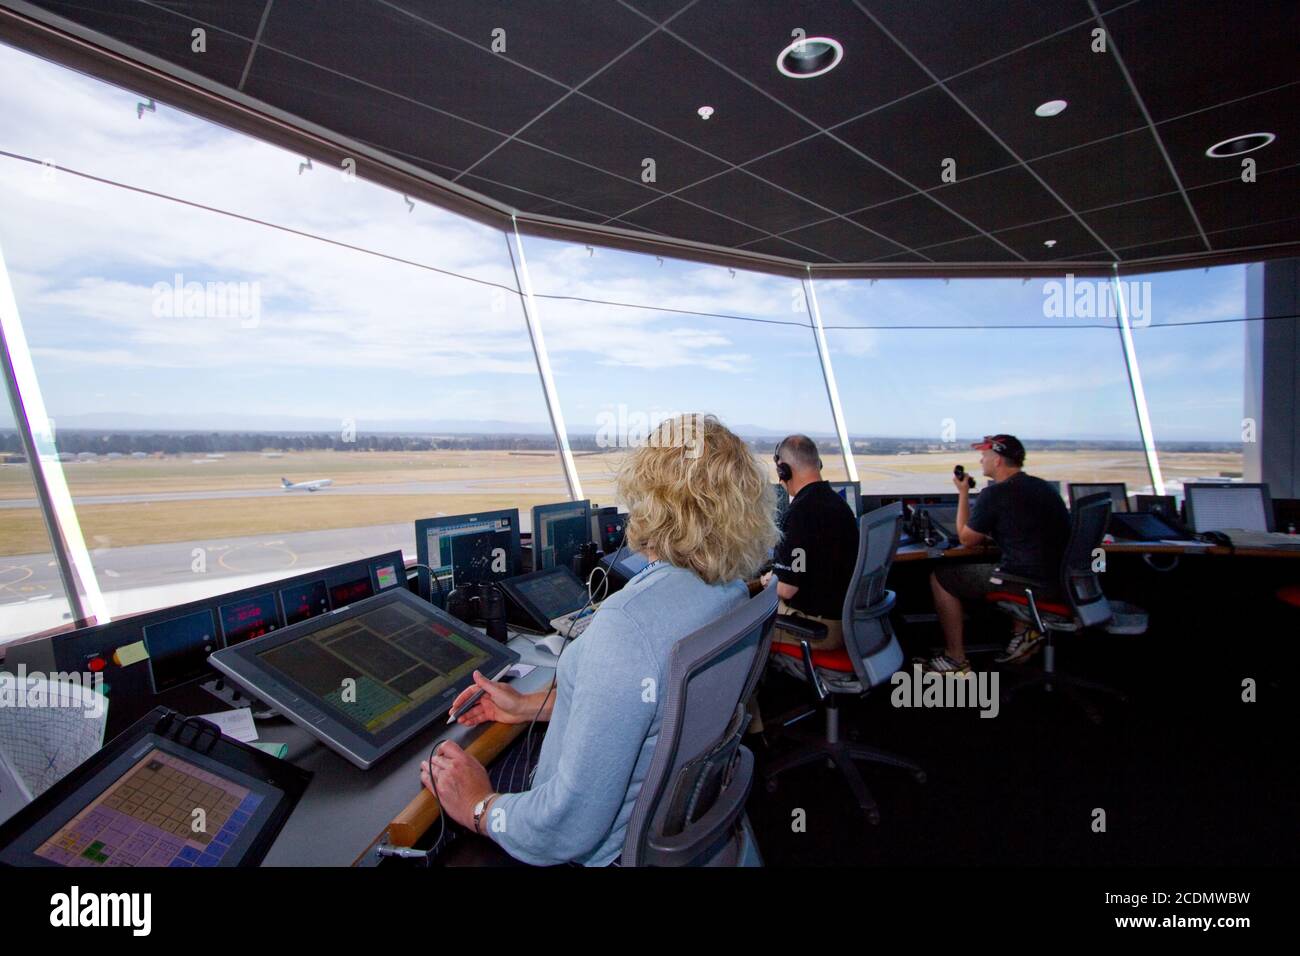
point(832, 390)
point(1135, 381)
point(534, 319)
point(47, 469)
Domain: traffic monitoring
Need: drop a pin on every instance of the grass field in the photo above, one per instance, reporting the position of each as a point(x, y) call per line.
point(466, 481)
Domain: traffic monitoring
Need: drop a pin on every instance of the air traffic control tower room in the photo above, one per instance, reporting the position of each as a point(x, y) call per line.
point(508, 435)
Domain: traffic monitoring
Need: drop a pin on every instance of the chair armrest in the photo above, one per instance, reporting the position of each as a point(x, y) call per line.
point(802, 627)
point(1016, 581)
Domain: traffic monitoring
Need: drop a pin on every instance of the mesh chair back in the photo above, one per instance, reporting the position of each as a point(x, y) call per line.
point(868, 636)
point(694, 794)
point(1079, 581)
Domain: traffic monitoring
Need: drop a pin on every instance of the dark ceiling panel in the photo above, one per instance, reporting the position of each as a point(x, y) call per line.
point(949, 36)
point(337, 103)
point(1273, 232)
point(568, 40)
point(999, 200)
point(914, 138)
point(563, 180)
point(829, 174)
point(528, 202)
point(390, 50)
point(418, 81)
point(1188, 138)
point(677, 218)
point(843, 241)
point(741, 196)
point(1006, 93)
point(658, 10)
point(1116, 170)
point(1157, 250)
point(664, 84)
point(1221, 50)
point(1234, 204)
point(747, 35)
point(1070, 240)
point(915, 221)
point(593, 134)
point(974, 249)
point(779, 247)
point(167, 33)
point(1142, 223)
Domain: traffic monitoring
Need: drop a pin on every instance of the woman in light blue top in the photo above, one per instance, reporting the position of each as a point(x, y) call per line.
point(700, 509)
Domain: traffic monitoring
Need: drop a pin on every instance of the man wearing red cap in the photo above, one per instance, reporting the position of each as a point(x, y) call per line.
point(1026, 518)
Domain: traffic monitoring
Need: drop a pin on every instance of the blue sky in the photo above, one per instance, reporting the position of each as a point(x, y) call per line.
point(341, 334)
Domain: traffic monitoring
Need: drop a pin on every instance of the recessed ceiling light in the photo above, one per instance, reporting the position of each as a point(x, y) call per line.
point(1236, 145)
point(1049, 242)
point(705, 112)
point(809, 57)
point(1051, 108)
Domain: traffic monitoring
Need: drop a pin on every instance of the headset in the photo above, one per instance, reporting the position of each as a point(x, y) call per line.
point(783, 471)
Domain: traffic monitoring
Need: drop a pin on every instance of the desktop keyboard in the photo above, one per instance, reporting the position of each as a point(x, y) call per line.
point(572, 625)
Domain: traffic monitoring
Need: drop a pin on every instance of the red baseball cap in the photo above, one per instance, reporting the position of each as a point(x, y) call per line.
point(1008, 446)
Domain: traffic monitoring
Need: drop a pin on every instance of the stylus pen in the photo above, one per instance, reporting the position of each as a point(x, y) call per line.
point(465, 708)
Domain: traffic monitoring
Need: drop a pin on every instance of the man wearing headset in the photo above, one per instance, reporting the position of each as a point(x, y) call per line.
point(818, 549)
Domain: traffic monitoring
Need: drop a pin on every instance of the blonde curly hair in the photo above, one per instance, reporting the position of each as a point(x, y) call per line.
point(698, 498)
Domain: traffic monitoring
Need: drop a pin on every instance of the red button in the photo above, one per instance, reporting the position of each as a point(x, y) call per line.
point(96, 664)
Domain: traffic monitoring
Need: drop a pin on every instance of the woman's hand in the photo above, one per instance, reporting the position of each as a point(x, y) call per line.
point(499, 702)
point(457, 780)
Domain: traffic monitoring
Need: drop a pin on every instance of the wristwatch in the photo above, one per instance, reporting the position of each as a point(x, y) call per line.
point(479, 808)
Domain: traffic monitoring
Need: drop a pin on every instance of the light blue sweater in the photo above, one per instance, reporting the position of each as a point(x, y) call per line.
point(606, 720)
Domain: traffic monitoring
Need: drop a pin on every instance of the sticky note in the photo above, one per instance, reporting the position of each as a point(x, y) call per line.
point(129, 654)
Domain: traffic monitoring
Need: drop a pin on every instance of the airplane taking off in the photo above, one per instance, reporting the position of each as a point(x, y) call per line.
point(315, 485)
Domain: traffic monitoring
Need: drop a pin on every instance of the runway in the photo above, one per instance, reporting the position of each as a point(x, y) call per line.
point(197, 567)
point(460, 486)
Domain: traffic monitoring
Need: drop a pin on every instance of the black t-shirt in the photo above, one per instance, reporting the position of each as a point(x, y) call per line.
point(1027, 518)
point(818, 550)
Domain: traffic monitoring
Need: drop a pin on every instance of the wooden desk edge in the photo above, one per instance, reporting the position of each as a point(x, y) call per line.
point(422, 812)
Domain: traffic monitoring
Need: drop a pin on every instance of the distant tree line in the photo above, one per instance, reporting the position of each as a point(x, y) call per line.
point(79, 441)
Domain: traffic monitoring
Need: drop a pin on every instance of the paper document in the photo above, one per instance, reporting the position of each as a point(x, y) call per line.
point(48, 728)
point(235, 723)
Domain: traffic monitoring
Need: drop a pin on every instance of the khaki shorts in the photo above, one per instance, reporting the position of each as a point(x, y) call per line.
point(834, 630)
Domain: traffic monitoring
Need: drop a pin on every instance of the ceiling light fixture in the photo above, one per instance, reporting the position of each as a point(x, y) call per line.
point(1237, 145)
point(1049, 242)
point(705, 112)
point(811, 56)
point(1051, 108)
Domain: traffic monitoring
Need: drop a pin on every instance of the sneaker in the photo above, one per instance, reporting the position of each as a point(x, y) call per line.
point(943, 664)
point(1024, 645)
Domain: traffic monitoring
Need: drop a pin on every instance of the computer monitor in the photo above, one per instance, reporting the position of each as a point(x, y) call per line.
point(1166, 505)
point(851, 492)
point(545, 595)
point(559, 530)
point(368, 677)
point(607, 527)
point(1216, 507)
point(466, 549)
point(782, 501)
point(1117, 490)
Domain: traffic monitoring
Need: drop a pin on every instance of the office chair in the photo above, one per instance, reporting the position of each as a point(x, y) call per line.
point(691, 808)
point(870, 656)
point(1069, 605)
